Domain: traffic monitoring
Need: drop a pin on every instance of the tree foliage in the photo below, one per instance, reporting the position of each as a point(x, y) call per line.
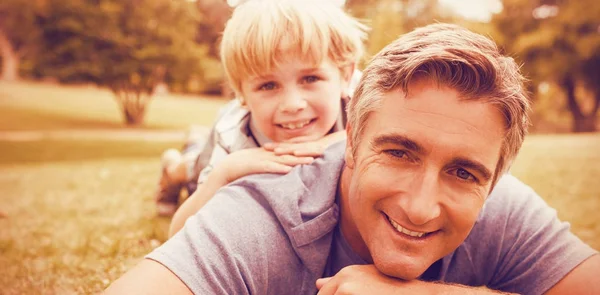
point(127, 46)
point(557, 41)
point(19, 34)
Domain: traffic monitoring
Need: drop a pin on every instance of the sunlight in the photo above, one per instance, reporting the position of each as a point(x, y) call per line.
point(476, 10)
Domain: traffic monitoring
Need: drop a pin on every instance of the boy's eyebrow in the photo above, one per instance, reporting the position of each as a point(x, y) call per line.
point(310, 70)
point(260, 78)
point(400, 140)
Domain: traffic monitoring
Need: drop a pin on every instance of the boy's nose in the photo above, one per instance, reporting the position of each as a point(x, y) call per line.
point(293, 102)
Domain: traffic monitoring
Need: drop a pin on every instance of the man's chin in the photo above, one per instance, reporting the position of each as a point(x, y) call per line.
point(400, 270)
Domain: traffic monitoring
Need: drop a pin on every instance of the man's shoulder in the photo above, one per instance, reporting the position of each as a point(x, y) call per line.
point(518, 244)
point(300, 196)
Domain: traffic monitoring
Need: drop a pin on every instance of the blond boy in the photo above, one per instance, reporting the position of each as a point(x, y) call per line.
point(290, 64)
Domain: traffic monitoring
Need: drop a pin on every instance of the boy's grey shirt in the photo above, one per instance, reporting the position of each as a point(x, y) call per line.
point(271, 234)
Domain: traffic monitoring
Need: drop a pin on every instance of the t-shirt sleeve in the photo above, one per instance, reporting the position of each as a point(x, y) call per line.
point(536, 249)
point(229, 247)
point(218, 153)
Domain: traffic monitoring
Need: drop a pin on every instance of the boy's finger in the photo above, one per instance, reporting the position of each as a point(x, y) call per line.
point(270, 146)
point(314, 152)
point(274, 167)
point(283, 150)
point(293, 160)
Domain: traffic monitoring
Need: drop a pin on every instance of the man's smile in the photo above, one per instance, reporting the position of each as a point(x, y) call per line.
point(416, 235)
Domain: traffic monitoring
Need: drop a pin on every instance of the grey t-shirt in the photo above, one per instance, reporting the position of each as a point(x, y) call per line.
point(271, 234)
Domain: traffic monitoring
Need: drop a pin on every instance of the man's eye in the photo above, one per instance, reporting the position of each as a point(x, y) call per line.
point(311, 79)
point(464, 174)
point(267, 86)
point(396, 153)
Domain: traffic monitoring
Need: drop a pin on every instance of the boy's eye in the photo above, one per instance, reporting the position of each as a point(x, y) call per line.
point(267, 86)
point(310, 79)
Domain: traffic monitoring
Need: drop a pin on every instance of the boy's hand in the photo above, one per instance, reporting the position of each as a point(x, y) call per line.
point(303, 149)
point(256, 160)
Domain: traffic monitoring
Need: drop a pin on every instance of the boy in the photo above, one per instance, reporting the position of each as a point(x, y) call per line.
point(290, 64)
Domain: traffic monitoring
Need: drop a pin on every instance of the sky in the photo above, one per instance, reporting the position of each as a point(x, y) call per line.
point(477, 10)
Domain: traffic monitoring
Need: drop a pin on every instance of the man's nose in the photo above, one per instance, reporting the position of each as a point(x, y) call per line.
point(292, 101)
point(421, 203)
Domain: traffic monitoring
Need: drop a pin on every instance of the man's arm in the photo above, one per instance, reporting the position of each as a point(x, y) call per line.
point(366, 279)
point(148, 277)
point(235, 245)
point(581, 280)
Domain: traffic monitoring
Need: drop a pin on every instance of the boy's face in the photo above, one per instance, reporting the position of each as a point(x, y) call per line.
point(296, 100)
point(419, 176)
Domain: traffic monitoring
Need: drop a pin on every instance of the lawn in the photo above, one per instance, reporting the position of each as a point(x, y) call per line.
point(35, 106)
point(75, 214)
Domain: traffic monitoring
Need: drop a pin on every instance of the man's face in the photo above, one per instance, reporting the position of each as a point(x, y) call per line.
point(419, 176)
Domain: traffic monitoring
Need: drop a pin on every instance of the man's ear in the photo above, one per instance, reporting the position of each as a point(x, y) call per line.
point(348, 155)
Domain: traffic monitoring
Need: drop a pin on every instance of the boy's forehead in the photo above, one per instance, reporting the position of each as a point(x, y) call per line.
point(284, 61)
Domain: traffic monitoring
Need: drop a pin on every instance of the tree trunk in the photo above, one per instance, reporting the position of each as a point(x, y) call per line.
point(581, 121)
point(133, 106)
point(10, 59)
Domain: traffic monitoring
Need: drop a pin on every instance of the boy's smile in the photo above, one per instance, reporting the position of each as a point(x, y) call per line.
point(296, 100)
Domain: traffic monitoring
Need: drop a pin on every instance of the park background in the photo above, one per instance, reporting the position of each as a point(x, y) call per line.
point(92, 92)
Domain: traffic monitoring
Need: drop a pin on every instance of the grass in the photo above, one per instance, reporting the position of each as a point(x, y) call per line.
point(75, 214)
point(35, 106)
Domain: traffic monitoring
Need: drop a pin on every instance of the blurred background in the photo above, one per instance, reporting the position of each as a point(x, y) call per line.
point(92, 91)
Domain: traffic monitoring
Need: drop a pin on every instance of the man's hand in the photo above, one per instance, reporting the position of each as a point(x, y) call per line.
point(366, 279)
point(305, 149)
point(256, 160)
point(362, 279)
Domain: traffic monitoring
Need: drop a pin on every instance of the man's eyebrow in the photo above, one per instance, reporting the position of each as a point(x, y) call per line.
point(397, 139)
point(470, 164)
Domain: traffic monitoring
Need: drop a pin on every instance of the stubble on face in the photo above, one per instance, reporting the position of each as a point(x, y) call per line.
point(374, 183)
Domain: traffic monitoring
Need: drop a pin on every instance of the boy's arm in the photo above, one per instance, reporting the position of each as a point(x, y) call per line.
point(233, 167)
point(310, 148)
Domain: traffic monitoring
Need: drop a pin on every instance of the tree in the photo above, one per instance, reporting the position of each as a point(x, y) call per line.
point(19, 34)
point(557, 41)
point(128, 46)
point(391, 18)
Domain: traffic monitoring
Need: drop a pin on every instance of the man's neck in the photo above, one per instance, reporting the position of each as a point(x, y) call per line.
point(347, 224)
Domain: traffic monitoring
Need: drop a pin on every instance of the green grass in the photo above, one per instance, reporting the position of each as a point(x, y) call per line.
point(76, 214)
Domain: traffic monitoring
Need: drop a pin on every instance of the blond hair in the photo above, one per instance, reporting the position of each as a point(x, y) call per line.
point(455, 57)
point(261, 33)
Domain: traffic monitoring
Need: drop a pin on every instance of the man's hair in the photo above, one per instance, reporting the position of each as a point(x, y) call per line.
point(451, 56)
point(262, 33)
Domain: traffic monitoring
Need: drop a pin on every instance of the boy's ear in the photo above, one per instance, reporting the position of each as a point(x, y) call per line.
point(348, 155)
point(347, 73)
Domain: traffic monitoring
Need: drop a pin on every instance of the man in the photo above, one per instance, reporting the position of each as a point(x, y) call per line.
point(403, 208)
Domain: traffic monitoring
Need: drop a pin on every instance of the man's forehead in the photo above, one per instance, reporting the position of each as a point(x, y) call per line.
point(441, 123)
